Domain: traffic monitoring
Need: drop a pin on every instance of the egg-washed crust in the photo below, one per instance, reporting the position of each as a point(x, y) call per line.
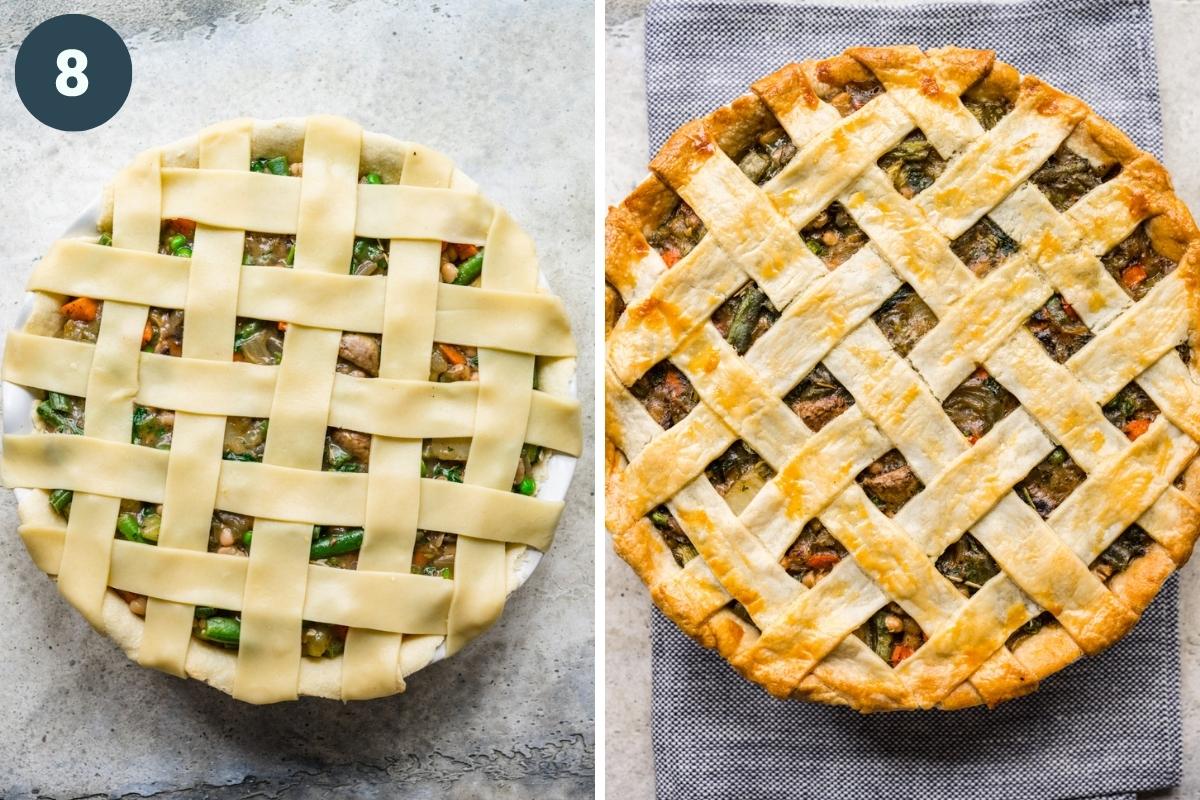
point(643, 294)
point(213, 664)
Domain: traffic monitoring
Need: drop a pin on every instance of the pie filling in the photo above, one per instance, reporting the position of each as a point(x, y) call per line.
point(818, 399)
point(744, 317)
point(261, 342)
point(1136, 265)
point(913, 165)
point(983, 247)
point(1067, 176)
point(1058, 328)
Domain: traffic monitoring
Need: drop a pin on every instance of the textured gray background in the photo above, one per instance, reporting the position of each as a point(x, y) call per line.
point(504, 88)
point(629, 760)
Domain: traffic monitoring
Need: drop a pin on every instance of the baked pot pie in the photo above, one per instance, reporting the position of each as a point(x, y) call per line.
point(900, 401)
point(293, 405)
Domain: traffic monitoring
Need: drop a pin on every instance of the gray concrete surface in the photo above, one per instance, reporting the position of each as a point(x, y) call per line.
point(512, 715)
point(629, 763)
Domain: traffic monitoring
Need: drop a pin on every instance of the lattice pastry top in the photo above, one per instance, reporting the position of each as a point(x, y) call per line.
point(900, 403)
point(279, 407)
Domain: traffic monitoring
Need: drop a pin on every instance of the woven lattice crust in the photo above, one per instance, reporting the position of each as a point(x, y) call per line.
point(396, 619)
point(736, 596)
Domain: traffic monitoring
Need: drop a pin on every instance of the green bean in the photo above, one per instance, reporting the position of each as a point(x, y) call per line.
point(881, 636)
point(60, 499)
point(106, 240)
point(246, 537)
point(660, 518)
point(177, 241)
point(277, 165)
point(373, 177)
point(184, 252)
point(59, 422)
point(816, 247)
point(469, 270)
point(128, 527)
point(204, 612)
point(225, 630)
point(452, 474)
point(243, 334)
point(58, 401)
point(290, 258)
point(336, 544)
point(258, 165)
point(745, 318)
point(528, 486)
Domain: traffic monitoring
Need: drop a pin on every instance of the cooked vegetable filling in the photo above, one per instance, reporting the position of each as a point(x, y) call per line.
point(678, 235)
point(1136, 265)
point(677, 541)
point(833, 235)
point(890, 482)
point(853, 95)
point(1067, 176)
point(983, 247)
point(1131, 410)
point(666, 393)
point(245, 439)
point(892, 634)
point(813, 554)
point(977, 404)
point(913, 165)
point(261, 342)
point(1131, 544)
point(744, 317)
point(346, 450)
point(1029, 629)
point(767, 156)
point(61, 413)
point(819, 398)
point(1050, 482)
point(738, 474)
point(1059, 329)
point(451, 363)
point(904, 319)
point(988, 110)
point(967, 564)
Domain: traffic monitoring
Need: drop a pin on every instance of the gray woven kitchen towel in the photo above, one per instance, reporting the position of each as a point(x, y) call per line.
point(1105, 727)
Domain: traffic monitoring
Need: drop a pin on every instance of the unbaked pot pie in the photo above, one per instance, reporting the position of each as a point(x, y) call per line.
point(901, 408)
point(292, 407)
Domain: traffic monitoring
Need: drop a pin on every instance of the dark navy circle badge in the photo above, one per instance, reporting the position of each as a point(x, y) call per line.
point(73, 72)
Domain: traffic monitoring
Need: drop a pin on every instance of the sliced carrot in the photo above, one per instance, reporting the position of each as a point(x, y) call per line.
point(1136, 427)
point(1133, 275)
point(282, 325)
point(185, 226)
point(237, 356)
point(822, 560)
point(671, 256)
point(674, 383)
point(81, 308)
point(452, 354)
point(901, 652)
point(467, 250)
point(147, 334)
